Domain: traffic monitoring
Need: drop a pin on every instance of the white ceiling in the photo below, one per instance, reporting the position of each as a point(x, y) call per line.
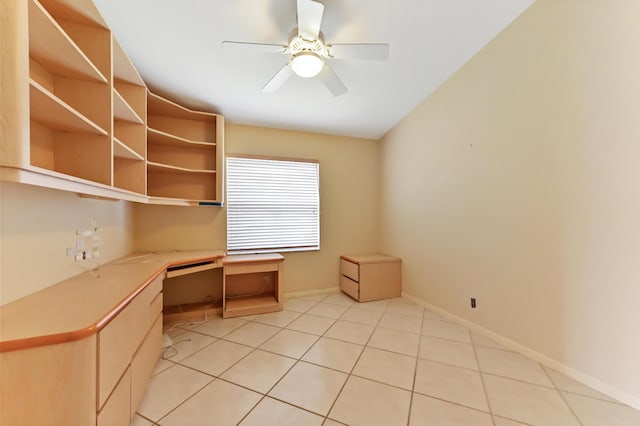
point(176, 46)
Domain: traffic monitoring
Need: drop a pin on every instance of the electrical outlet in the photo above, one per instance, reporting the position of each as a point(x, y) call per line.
point(473, 302)
point(87, 243)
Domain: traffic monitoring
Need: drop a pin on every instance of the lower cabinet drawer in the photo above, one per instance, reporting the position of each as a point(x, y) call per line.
point(116, 411)
point(119, 339)
point(350, 287)
point(350, 269)
point(144, 362)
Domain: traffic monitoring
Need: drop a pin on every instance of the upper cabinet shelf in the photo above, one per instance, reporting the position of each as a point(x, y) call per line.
point(123, 111)
point(51, 47)
point(53, 112)
point(158, 137)
point(184, 152)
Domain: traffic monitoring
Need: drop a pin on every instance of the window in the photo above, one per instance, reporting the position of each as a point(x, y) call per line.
point(272, 205)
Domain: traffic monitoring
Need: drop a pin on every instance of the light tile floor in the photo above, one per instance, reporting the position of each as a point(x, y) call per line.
point(327, 360)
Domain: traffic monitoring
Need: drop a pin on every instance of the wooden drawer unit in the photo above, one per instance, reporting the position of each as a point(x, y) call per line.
point(370, 277)
point(124, 337)
point(118, 340)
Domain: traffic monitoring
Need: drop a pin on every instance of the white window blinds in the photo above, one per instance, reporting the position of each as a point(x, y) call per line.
point(272, 205)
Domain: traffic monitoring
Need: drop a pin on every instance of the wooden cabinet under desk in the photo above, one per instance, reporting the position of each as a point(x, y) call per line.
point(370, 277)
point(251, 284)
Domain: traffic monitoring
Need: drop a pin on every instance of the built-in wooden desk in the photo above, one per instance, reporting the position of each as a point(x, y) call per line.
point(82, 351)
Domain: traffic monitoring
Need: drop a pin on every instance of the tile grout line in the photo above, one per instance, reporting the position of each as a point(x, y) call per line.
point(415, 370)
point(218, 377)
point(560, 393)
point(264, 395)
point(357, 360)
point(297, 361)
point(484, 386)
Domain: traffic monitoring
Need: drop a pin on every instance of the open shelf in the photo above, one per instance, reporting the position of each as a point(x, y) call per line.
point(158, 137)
point(168, 183)
point(129, 174)
point(123, 111)
point(53, 112)
point(152, 166)
point(160, 106)
point(188, 157)
point(51, 47)
point(121, 150)
point(251, 284)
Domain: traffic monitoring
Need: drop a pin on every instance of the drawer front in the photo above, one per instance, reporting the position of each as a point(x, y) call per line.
point(350, 287)
point(250, 269)
point(350, 269)
point(144, 362)
point(116, 412)
point(119, 339)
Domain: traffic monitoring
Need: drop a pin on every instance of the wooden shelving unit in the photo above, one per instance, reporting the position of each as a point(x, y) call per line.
point(69, 93)
point(77, 115)
point(184, 159)
point(251, 284)
point(51, 47)
point(129, 124)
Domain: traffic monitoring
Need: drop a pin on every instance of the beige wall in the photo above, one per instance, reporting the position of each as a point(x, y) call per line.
point(518, 183)
point(348, 198)
point(38, 224)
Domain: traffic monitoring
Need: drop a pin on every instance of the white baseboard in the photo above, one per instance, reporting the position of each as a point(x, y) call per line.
point(592, 382)
point(310, 292)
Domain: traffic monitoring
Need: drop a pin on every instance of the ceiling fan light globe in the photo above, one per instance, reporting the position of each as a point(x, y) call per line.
point(306, 64)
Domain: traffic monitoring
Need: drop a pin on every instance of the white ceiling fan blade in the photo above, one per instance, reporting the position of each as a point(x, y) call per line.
point(279, 79)
point(309, 19)
point(363, 51)
point(331, 80)
point(240, 46)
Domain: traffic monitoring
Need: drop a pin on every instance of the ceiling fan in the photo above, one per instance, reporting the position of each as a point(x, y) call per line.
point(307, 51)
